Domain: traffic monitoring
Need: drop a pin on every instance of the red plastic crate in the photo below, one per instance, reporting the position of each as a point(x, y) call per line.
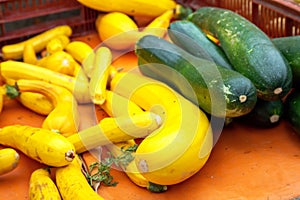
point(277, 18)
point(20, 19)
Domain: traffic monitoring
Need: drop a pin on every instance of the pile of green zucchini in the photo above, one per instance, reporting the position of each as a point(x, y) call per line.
point(247, 75)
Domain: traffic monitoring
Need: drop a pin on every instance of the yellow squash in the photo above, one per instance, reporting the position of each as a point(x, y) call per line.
point(59, 61)
point(116, 105)
point(36, 102)
point(159, 25)
point(9, 160)
point(79, 50)
point(41, 186)
point(83, 54)
point(64, 118)
point(58, 43)
point(40, 144)
point(39, 42)
point(182, 145)
point(131, 7)
point(213, 39)
point(88, 64)
point(29, 55)
point(117, 30)
point(100, 75)
point(77, 84)
point(131, 170)
point(2, 96)
point(1, 102)
point(117, 129)
point(127, 121)
point(72, 183)
point(81, 85)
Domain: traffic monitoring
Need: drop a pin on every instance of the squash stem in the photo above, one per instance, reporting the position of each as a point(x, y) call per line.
point(243, 98)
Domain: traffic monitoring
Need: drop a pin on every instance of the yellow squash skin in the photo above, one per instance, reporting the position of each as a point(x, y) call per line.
point(29, 55)
point(117, 105)
point(58, 43)
point(40, 144)
point(36, 102)
point(117, 129)
point(59, 61)
point(117, 30)
point(1, 102)
point(112, 72)
point(181, 147)
point(212, 38)
point(41, 186)
point(159, 25)
point(72, 183)
point(9, 160)
point(131, 7)
point(88, 64)
point(131, 169)
point(124, 124)
point(81, 85)
point(64, 118)
point(78, 85)
point(79, 50)
point(39, 42)
point(100, 75)
point(2, 95)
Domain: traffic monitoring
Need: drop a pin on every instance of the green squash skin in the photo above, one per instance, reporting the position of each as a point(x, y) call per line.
point(290, 48)
point(292, 107)
point(215, 89)
point(250, 51)
point(189, 37)
point(264, 114)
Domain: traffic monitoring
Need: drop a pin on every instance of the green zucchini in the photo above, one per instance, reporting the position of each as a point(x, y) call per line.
point(249, 50)
point(292, 106)
point(265, 114)
point(188, 36)
point(290, 48)
point(292, 110)
point(217, 90)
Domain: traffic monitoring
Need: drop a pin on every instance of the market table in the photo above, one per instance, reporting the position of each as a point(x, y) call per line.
point(246, 163)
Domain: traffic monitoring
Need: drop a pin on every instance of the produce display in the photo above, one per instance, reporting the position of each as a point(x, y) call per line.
point(40, 144)
point(156, 156)
point(186, 35)
point(193, 67)
point(39, 42)
point(9, 160)
point(118, 31)
point(214, 86)
point(289, 48)
point(41, 185)
point(265, 113)
point(250, 50)
point(132, 8)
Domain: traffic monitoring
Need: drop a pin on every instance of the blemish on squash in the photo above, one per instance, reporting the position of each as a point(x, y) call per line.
point(143, 166)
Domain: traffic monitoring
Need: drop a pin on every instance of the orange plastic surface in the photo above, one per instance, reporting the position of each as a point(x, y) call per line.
point(246, 163)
